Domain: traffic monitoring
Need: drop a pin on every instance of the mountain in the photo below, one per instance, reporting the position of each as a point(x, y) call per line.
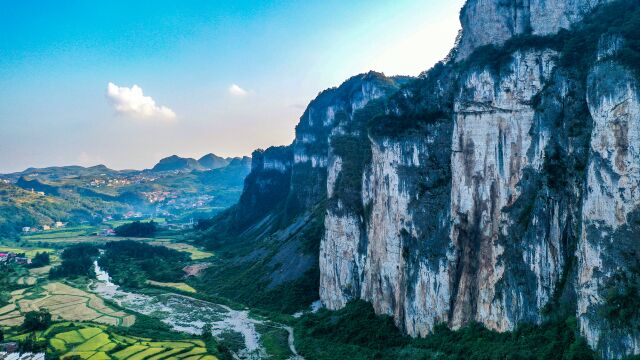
point(61, 172)
point(207, 162)
point(211, 161)
point(177, 163)
point(75, 194)
point(500, 187)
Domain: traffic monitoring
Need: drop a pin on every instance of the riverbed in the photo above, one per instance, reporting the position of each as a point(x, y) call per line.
point(189, 315)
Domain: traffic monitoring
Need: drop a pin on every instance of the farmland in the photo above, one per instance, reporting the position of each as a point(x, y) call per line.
point(89, 341)
point(64, 303)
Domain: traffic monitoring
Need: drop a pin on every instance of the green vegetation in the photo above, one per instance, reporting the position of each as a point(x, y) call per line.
point(23, 208)
point(67, 340)
point(137, 229)
point(622, 299)
point(77, 260)
point(37, 320)
point(249, 282)
point(355, 332)
point(41, 259)
point(132, 263)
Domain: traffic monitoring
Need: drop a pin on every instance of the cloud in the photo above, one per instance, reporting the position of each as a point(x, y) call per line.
point(236, 90)
point(132, 102)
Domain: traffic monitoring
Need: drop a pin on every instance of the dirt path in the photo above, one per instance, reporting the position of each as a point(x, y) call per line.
point(292, 345)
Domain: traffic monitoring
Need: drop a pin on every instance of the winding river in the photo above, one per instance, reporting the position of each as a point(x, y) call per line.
point(190, 315)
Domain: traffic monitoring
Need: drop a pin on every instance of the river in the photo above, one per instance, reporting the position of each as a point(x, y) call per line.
point(190, 315)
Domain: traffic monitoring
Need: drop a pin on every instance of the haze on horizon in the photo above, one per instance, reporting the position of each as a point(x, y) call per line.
point(125, 84)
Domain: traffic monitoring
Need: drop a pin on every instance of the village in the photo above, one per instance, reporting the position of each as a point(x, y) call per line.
point(13, 258)
point(32, 229)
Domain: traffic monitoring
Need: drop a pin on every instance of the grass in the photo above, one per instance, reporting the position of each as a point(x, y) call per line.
point(178, 286)
point(28, 251)
point(62, 233)
point(275, 341)
point(196, 254)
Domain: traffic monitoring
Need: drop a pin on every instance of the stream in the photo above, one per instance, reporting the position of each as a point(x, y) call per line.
point(189, 315)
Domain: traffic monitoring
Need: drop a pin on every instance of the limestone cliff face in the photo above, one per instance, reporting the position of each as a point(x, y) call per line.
point(492, 145)
point(610, 244)
point(497, 187)
point(539, 204)
point(266, 186)
point(495, 21)
point(321, 118)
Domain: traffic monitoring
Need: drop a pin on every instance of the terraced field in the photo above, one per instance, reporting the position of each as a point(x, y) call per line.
point(64, 303)
point(96, 342)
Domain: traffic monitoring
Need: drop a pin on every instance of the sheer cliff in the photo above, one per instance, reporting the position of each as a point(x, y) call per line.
point(500, 187)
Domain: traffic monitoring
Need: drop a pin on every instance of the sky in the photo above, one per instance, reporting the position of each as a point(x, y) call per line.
point(126, 83)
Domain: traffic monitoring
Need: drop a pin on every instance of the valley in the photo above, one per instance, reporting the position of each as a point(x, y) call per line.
point(488, 208)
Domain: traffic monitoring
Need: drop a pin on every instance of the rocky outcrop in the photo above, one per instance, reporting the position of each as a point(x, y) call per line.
point(490, 151)
point(499, 187)
point(322, 117)
point(492, 22)
point(609, 246)
point(265, 188)
point(540, 209)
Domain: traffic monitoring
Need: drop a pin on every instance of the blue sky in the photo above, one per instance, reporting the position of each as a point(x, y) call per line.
point(212, 76)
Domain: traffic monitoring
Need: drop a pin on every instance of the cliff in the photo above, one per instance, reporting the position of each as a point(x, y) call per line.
point(500, 187)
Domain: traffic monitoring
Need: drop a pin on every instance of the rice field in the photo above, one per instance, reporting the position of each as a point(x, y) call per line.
point(97, 342)
point(64, 303)
point(28, 251)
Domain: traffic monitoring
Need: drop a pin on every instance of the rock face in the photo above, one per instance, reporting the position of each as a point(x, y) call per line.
point(495, 21)
point(517, 216)
point(491, 148)
point(610, 244)
point(492, 189)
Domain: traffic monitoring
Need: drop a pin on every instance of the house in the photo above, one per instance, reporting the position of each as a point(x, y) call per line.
point(8, 257)
point(21, 260)
point(26, 229)
point(46, 227)
point(107, 232)
point(59, 224)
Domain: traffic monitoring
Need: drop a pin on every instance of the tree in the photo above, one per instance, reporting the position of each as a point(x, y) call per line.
point(1, 335)
point(137, 229)
point(41, 259)
point(206, 332)
point(37, 320)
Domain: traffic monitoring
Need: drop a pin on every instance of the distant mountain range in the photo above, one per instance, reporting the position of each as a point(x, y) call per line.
point(176, 188)
point(207, 162)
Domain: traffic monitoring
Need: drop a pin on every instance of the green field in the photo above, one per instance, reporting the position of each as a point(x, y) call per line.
point(89, 341)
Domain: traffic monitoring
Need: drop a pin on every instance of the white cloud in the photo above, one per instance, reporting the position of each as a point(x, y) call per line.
point(132, 102)
point(236, 90)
